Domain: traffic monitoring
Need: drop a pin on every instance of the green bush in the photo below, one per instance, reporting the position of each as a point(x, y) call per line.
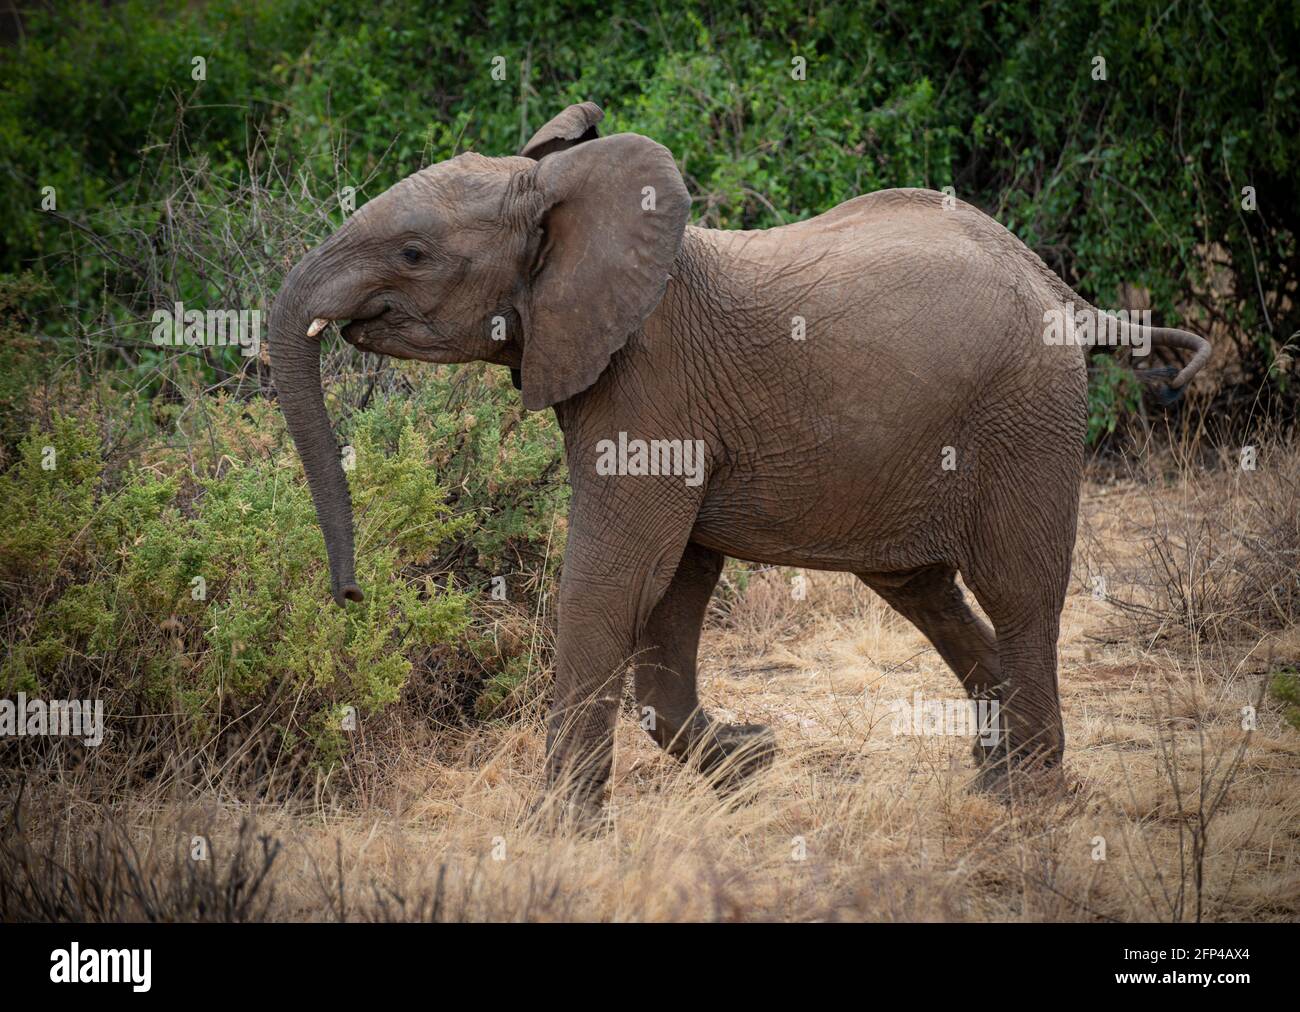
point(214, 590)
point(1117, 181)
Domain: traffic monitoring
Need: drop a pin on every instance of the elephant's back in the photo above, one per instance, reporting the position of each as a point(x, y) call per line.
point(886, 227)
point(902, 286)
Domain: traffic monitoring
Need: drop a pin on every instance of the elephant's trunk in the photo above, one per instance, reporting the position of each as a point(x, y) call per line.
point(296, 370)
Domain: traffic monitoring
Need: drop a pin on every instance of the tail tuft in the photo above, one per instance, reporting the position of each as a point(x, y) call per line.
point(1160, 378)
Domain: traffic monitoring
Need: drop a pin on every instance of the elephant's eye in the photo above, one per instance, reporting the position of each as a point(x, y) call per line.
point(411, 255)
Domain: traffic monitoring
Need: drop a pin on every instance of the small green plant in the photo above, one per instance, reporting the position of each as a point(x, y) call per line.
point(1285, 687)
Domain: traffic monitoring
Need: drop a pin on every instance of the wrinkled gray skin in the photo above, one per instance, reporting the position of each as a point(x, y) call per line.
point(924, 331)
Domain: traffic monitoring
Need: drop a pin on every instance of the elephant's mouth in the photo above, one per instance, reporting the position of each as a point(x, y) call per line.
point(364, 332)
point(384, 333)
point(361, 332)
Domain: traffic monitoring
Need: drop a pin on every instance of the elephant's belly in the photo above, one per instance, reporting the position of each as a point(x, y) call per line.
point(851, 527)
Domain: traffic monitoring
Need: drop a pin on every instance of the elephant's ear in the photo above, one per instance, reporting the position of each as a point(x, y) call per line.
point(613, 212)
point(573, 126)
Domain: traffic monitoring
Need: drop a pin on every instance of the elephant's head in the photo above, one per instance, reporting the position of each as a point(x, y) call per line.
point(546, 263)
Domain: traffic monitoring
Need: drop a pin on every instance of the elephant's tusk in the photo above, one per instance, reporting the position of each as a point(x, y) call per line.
point(317, 325)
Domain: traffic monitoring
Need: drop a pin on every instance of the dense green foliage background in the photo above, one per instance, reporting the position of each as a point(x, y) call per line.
point(205, 191)
point(1135, 179)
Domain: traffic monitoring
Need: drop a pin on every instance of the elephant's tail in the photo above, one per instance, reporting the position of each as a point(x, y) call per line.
point(1170, 337)
point(1137, 335)
point(1142, 335)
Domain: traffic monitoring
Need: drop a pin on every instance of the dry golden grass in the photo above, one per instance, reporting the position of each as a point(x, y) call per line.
point(1197, 817)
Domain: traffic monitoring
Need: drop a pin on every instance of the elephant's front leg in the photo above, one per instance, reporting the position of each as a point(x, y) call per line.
point(665, 681)
point(616, 567)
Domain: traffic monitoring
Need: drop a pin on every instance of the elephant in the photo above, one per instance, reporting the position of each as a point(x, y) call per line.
point(870, 391)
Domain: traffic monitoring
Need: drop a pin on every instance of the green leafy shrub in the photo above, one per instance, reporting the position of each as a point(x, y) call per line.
point(47, 499)
point(214, 589)
point(1116, 179)
point(505, 473)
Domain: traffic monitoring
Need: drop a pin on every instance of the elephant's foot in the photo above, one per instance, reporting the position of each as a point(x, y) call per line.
point(733, 753)
point(1023, 773)
point(575, 811)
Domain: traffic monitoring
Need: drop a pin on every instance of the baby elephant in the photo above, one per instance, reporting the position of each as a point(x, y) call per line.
point(895, 389)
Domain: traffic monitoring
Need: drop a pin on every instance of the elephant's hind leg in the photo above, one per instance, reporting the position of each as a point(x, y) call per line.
point(1019, 572)
point(665, 676)
point(931, 600)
